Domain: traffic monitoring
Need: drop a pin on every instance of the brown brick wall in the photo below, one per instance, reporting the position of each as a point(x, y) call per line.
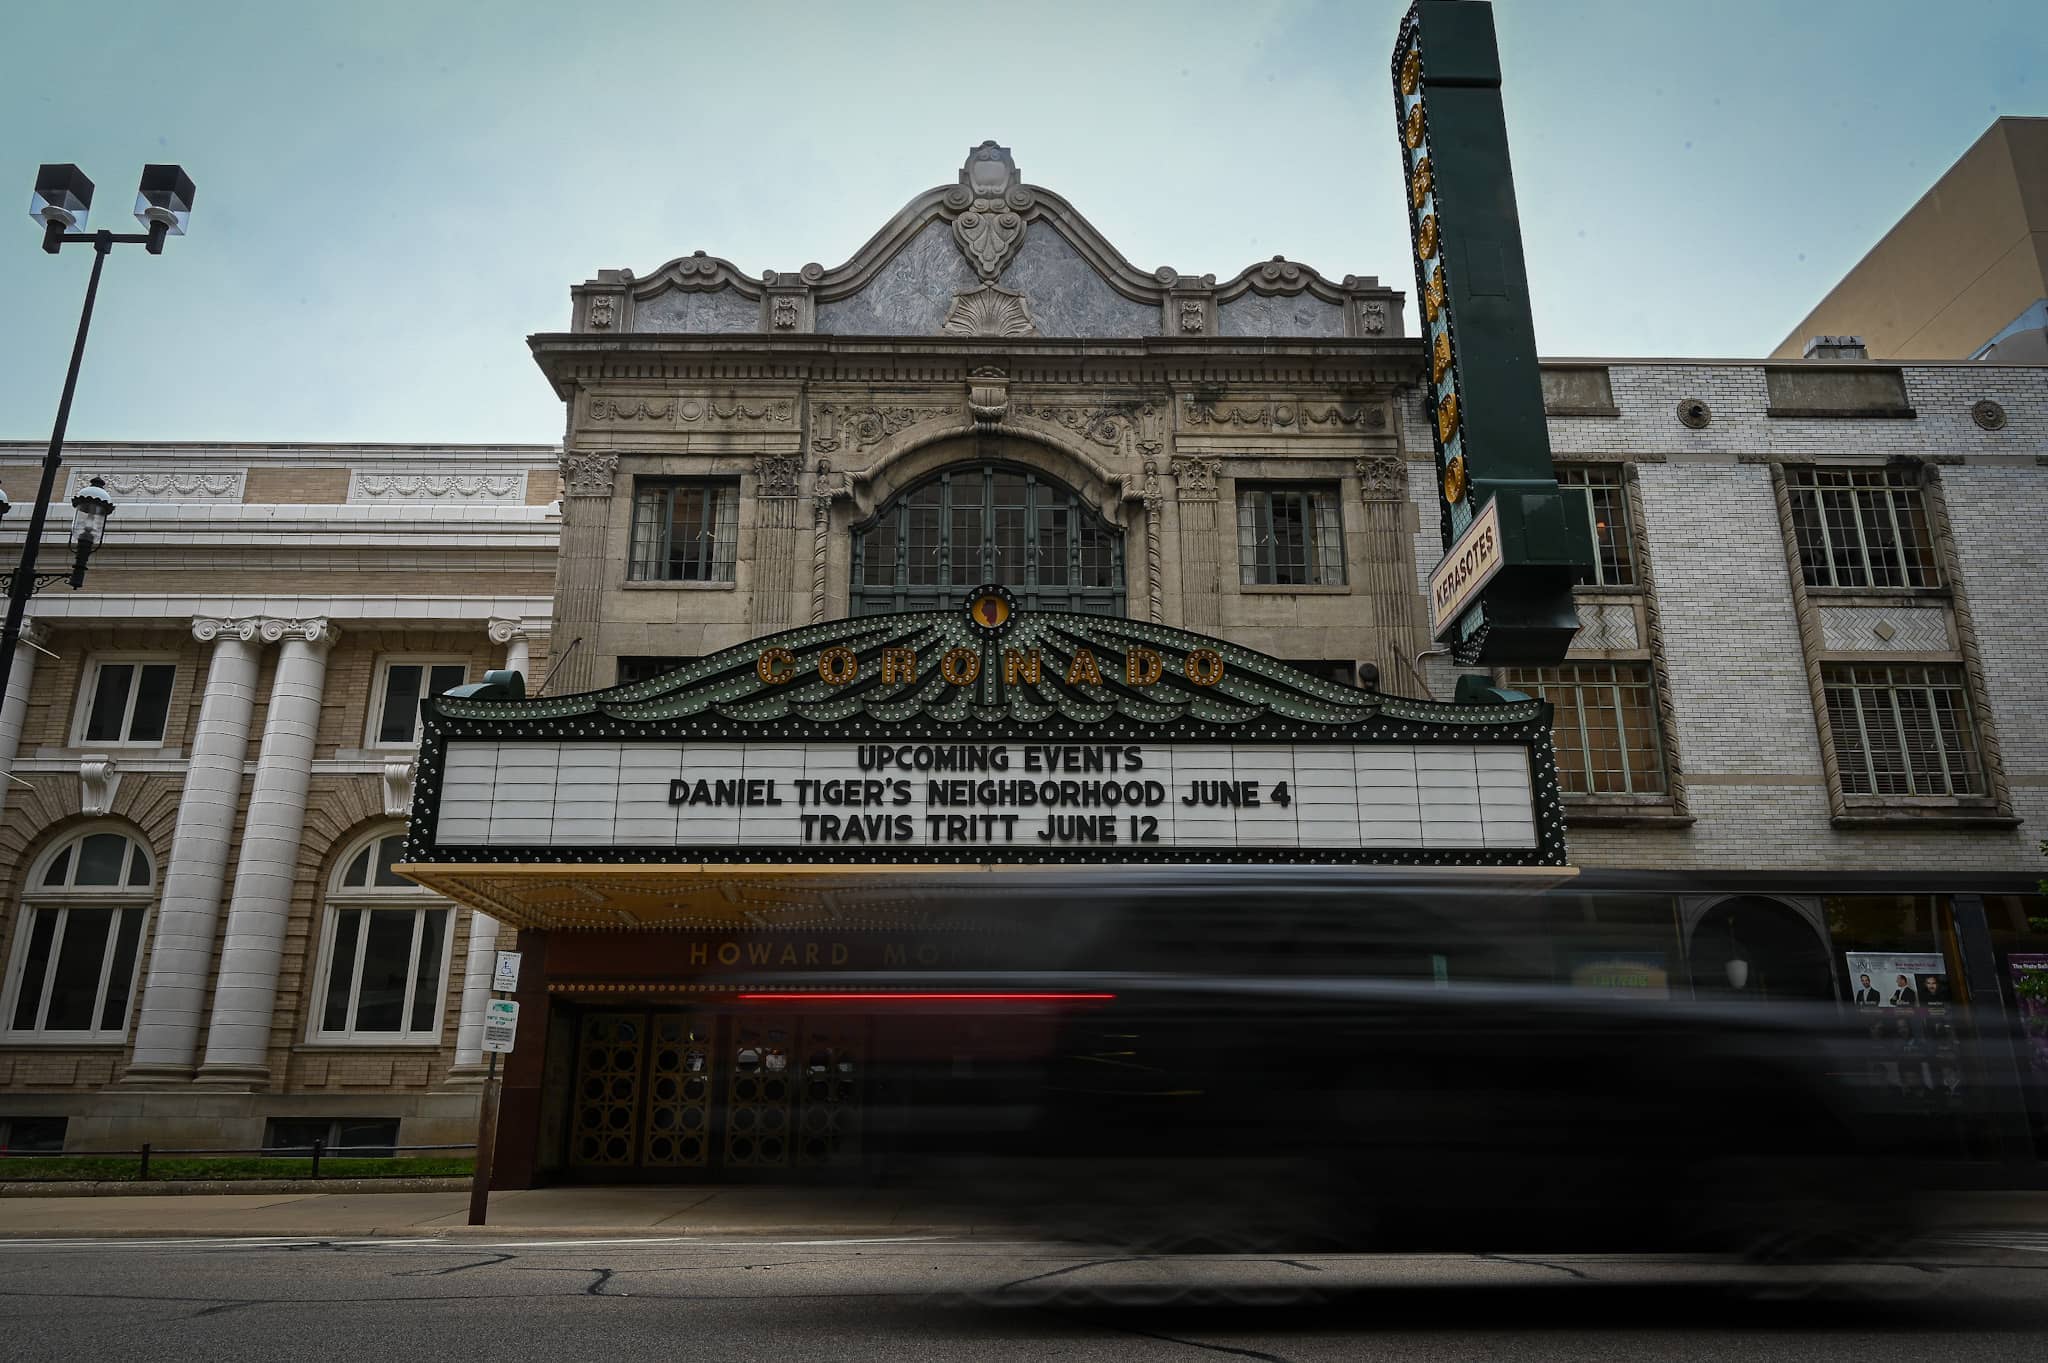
point(296, 486)
point(543, 485)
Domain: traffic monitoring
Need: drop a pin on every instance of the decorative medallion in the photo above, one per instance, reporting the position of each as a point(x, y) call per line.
point(989, 610)
point(1988, 414)
point(988, 397)
point(1695, 413)
point(1454, 479)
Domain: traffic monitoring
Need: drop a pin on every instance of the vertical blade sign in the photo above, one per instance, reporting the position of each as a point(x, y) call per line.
point(1482, 388)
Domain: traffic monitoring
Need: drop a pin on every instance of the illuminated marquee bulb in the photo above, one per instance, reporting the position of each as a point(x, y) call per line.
point(1425, 237)
point(1419, 183)
point(1440, 357)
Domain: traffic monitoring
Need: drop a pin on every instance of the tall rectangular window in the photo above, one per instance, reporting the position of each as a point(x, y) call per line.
point(1290, 536)
point(1903, 729)
point(1861, 527)
point(126, 700)
point(1604, 728)
point(1614, 559)
point(685, 530)
point(401, 685)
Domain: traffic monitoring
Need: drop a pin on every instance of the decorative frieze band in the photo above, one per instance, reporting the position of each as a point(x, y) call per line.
point(1284, 415)
point(165, 485)
point(436, 487)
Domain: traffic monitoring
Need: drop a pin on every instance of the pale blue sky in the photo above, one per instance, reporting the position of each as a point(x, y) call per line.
point(393, 195)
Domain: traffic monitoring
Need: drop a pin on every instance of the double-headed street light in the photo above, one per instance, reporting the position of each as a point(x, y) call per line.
point(60, 204)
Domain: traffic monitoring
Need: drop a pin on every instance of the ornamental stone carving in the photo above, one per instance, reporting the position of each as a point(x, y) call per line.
point(783, 313)
point(1191, 315)
point(837, 425)
point(589, 473)
point(398, 780)
point(603, 311)
point(99, 777)
point(503, 630)
point(989, 311)
point(168, 485)
point(776, 475)
point(1985, 413)
point(1372, 317)
point(318, 631)
point(207, 628)
point(631, 409)
point(424, 487)
point(1383, 478)
point(988, 397)
point(1197, 478)
point(988, 207)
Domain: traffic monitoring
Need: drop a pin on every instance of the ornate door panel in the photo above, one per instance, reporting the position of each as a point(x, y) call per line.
point(834, 1071)
point(678, 1132)
point(758, 1091)
point(607, 1098)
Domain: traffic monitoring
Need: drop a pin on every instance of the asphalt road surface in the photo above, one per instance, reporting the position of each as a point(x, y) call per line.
point(1976, 1297)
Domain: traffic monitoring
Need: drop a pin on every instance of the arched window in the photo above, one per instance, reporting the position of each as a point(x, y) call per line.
point(72, 975)
point(384, 950)
point(971, 524)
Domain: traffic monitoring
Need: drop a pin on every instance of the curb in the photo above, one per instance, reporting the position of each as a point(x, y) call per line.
point(207, 1186)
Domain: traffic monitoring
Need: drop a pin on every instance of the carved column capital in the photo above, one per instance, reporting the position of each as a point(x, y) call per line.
point(503, 630)
point(319, 631)
point(1383, 478)
point(777, 475)
point(1197, 478)
point(589, 473)
point(207, 628)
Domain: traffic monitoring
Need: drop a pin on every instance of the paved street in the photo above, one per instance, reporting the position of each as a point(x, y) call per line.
point(856, 1298)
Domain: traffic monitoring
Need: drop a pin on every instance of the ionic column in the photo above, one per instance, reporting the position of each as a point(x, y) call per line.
point(477, 972)
point(167, 1021)
point(245, 994)
point(14, 707)
point(518, 656)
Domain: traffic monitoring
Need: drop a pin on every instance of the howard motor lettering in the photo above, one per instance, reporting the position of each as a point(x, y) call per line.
point(962, 666)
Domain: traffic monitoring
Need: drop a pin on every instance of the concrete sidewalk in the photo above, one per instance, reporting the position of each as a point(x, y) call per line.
point(538, 1211)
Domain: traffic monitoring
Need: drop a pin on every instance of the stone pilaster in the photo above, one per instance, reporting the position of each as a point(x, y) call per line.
point(245, 993)
point(1388, 579)
point(1201, 602)
point(167, 1020)
point(583, 566)
point(778, 542)
point(14, 707)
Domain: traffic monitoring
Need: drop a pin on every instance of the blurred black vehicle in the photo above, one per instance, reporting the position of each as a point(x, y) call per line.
point(1265, 1058)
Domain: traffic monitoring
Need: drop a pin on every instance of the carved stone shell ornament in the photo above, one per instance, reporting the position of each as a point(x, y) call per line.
point(990, 311)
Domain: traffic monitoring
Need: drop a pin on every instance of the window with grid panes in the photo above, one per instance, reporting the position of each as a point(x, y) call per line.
point(79, 939)
point(1861, 527)
point(981, 523)
point(1604, 725)
point(128, 700)
point(1903, 729)
point(1290, 536)
point(385, 950)
point(685, 530)
point(401, 684)
point(1614, 560)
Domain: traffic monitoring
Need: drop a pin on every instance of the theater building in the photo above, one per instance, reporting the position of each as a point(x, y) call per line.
point(988, 547)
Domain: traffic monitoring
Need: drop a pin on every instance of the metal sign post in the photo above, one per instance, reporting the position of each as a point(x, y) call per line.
point(501, 1028)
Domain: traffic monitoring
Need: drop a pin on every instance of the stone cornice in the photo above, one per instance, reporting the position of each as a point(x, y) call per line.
point(572, 360)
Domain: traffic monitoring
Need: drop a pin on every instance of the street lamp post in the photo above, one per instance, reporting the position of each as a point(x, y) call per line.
point(63, 196)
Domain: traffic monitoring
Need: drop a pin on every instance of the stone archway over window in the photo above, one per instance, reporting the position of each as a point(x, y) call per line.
point(987, 521)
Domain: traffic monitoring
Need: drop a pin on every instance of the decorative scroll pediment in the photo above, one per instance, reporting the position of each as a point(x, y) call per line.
point(990, 229)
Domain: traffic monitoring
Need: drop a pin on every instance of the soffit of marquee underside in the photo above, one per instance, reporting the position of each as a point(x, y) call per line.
point(990, 256)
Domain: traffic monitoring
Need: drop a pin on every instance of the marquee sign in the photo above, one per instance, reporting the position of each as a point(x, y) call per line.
point(986, 734)
point(1482, 388)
